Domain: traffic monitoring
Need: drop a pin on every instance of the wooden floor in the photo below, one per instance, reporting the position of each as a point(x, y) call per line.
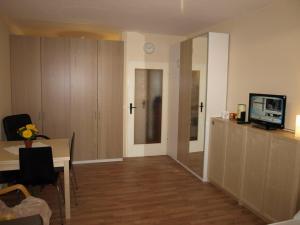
point(148, 191)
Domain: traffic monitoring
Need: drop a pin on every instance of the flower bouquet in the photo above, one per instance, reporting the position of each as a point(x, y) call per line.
point(29, 133)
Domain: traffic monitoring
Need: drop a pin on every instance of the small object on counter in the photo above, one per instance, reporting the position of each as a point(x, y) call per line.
point(232, 116)
point(241, 113)
point(225, 115)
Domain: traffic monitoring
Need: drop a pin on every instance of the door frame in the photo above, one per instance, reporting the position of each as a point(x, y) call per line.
point(139, 150)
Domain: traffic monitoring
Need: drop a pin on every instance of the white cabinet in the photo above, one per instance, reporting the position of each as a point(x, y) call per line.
point(282, 179)
point(217, 151)
point(234, 159)
point(260, 168)
point(256, 155)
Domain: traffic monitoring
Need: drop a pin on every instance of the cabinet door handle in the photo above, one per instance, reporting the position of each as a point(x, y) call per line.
point(201, 106)
point(131, 107)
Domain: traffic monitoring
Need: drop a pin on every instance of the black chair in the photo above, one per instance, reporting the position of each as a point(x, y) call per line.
point(11, 124)
point(30, 220)
point(37, 169)
point(72, 170)
point(9, 177)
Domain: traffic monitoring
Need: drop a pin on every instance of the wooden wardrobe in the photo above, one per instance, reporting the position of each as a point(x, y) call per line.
point(184, 108)
point(71, 85)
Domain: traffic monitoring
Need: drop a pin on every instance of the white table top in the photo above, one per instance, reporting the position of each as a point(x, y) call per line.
point(60, 151)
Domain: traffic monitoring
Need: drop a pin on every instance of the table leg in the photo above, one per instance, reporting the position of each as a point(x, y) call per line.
point(67, 190)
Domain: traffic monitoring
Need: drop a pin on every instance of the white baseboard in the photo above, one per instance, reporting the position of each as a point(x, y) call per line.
point(188, 169)
point(98, 161)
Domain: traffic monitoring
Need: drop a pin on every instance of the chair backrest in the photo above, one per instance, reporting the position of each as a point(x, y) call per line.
point(36, 166)
point(11, 124)
point(30, 220)
point(72, 149)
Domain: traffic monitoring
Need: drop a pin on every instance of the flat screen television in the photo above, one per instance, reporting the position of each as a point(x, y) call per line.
point(267, 111)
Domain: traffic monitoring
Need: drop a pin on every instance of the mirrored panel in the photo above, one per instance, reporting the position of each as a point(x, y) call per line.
point(195, 105)
point(195, 157)
point(148, 103)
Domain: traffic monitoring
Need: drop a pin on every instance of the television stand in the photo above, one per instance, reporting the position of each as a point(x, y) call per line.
point(264, 126)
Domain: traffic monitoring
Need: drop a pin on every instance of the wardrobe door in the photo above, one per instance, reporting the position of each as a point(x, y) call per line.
point(84, 97)
point(26, 77)
point(110, 99)
point(56, 87)
point(184, 115)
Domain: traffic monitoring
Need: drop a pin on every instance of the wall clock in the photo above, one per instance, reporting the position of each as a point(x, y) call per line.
point(149, 48)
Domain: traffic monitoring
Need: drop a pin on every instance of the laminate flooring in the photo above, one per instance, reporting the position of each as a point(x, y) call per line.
point(148, 191)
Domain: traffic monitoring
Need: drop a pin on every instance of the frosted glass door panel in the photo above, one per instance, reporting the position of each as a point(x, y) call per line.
point(148, 103)
point(195, 105)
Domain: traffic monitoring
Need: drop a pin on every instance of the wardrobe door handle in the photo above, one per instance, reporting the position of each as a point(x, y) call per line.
point(201, 106)
point(131, 107)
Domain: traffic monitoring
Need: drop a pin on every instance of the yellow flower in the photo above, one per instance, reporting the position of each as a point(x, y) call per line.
point(22, 128)
point(27, 134)
point(31, 127)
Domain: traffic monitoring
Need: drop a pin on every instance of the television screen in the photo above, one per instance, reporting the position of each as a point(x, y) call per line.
point(267, 109)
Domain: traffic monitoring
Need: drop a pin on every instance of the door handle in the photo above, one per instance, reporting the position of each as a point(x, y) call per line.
point(201, 106)
point(130, 108)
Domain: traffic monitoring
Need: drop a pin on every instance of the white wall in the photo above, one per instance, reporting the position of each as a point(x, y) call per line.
point(134, 54)
point(5, 91)
point(264, 55)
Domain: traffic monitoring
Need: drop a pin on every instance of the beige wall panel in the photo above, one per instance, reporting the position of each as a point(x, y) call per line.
point(84, 98)
point(5, 87)
point(56, 87)
point(26, 77)
point(110, 99)
point(184, 114)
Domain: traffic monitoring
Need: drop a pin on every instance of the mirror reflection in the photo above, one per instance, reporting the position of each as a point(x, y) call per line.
point(198, 101)
point(148, 103)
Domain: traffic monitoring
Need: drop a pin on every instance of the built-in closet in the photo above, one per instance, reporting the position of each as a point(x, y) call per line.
point(202, 95)
point(69, 84)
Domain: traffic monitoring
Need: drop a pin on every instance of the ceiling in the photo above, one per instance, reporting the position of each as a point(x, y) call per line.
point(178, 17)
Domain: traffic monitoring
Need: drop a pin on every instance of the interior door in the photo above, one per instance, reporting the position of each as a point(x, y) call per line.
point(146, 110)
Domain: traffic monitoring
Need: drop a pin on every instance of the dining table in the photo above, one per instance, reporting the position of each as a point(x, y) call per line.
point(9, 160)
